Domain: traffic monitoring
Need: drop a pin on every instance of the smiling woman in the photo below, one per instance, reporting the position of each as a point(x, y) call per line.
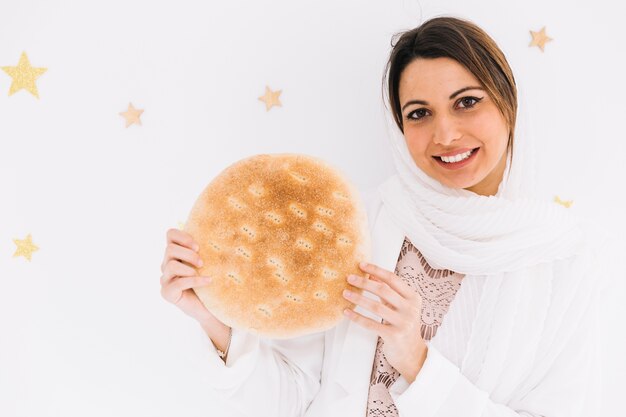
point(466, 203)
point(479, 298)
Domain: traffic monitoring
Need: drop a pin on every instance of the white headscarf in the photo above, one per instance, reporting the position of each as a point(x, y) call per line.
point(508, 241)
point(469, 233)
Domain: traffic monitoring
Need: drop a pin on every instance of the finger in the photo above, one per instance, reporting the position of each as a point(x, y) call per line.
point(379, 328)
point(390, 316)
point(182, 238)
point(177, 252)
point(379, 288)
point(184, 283)
point(175, 268)
point(173, 291)
point(388, 277)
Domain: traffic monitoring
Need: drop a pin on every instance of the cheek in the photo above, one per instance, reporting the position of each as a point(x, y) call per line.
point(493, 135)
point(416, 142)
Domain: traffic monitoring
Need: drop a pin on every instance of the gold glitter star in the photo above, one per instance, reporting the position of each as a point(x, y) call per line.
point(24, 76)
point(25, 247)
point(132, 115)
point(566, 204)
point(540, 38)
point(270, 98)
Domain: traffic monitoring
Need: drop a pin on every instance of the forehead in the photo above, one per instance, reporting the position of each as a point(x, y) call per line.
point(433, 77)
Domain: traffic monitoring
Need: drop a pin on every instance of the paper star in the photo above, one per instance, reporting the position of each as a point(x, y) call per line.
point(24, 76)
point(132, 115)
point(270, 98)
point(540, 38)
point(566, 204)
point(25, 247)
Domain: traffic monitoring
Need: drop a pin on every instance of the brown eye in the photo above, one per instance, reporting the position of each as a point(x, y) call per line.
point(417, 112)
point(467, 101)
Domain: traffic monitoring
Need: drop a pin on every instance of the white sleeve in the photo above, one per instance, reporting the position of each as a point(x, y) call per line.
point(265, 377)
point(571, 386)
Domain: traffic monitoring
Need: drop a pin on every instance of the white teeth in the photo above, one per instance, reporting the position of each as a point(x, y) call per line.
point(456, 158)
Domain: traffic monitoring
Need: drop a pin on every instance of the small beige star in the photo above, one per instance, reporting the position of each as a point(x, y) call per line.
point(566, 204)
point(24, 76)
point(270, 98)
point(25, 247)
point(132, 115)
point(540, 38)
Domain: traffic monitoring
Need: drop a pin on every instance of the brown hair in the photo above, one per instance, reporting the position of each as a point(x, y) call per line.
point(466, 43)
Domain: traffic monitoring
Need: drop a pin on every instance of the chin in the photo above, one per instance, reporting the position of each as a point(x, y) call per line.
point(461, 184)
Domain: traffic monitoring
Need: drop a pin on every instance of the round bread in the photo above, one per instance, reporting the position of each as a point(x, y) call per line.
point(279, 234)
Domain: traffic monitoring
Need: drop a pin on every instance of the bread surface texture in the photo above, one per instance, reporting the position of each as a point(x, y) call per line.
point(279, 234)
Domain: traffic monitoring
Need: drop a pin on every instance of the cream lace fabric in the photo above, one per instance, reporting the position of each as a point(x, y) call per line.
point(437, 287)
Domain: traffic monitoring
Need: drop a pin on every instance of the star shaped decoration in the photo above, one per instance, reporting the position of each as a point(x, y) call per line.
point(566, 204)
point(132, 115)
point(24, 76)
point(25, 247)
point(270, 98)
point(540, 38)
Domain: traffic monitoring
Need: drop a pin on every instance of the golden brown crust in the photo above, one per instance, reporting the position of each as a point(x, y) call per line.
point(279, 233)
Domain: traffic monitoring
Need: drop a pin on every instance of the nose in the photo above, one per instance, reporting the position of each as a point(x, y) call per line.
point(446, 130)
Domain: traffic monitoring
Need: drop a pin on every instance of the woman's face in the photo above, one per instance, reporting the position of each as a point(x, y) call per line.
point(441, 118)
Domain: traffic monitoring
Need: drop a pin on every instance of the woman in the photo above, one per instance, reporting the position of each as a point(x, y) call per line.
point(516, 279)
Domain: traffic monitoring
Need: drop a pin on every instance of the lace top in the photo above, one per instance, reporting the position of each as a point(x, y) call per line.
point(437, 287)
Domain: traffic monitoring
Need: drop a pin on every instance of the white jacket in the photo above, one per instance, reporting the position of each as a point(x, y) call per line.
point(327, 374)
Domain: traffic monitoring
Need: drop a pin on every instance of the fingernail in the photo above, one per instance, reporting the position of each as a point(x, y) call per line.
point(200, 263)
point(196, 247)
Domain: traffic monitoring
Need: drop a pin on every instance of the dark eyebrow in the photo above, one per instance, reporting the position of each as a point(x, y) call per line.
point(456, 93)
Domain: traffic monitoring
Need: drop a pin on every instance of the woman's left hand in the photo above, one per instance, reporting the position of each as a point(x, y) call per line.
point(400, 308)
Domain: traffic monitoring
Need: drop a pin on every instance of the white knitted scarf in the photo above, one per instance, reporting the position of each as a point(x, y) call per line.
point(510, 240)
point(473, 234)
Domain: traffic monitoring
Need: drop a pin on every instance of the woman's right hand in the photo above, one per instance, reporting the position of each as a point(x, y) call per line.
point(178, 278)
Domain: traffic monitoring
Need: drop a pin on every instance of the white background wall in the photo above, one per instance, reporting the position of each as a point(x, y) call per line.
point(83, 329)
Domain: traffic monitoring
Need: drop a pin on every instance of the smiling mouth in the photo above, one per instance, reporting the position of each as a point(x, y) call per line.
point(440, 160)
point(459, 165)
